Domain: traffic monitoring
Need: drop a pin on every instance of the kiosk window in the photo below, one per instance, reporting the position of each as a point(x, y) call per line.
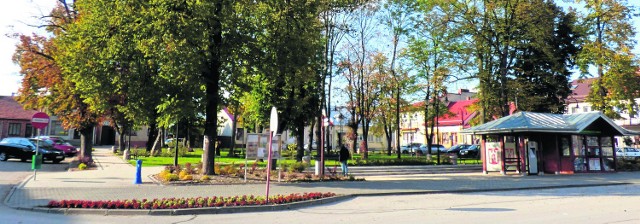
point(577, 145)
point(564, 145)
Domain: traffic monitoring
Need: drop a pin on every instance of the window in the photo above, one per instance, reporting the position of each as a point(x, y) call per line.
point(28, 131)
point(574, 110)
point(14, 129)
point(56, 129)
point(586, 109)
point(564, 145)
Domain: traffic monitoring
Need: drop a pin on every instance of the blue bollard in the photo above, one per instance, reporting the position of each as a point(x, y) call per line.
point(138, 172)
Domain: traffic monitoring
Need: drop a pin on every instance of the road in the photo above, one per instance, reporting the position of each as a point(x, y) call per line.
point(12, 172)
point(610, 204)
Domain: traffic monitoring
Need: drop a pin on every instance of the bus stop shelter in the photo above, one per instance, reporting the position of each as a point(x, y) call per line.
point(537, 143)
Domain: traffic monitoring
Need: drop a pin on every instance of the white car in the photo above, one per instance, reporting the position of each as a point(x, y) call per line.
point(627, 152)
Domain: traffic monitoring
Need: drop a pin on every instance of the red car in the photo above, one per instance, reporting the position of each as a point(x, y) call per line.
point(60, 144)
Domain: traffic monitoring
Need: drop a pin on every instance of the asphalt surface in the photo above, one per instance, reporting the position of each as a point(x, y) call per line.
point(114, 180)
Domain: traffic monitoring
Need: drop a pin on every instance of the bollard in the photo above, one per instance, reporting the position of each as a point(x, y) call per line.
point(138, 172)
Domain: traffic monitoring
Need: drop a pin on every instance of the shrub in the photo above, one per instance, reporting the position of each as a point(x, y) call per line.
point(187, 177)
point(199, 202)
point(183, 174)
point(164, 175)
point(298, 167)
point(173, 177)
point(628, 164)
point(188, 168)
point(229, 170)
point(205, 178)
point(86, 160)
point(82, 166)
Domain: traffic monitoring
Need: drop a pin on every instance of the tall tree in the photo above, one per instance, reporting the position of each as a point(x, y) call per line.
point(398, 17)
point(608, 46)
point(292, 48)
point(46, 86)
point(546, 54)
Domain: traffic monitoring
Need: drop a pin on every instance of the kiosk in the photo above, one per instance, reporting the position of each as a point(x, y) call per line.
point(538, 143)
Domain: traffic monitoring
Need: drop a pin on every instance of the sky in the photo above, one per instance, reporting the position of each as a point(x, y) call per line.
point(17, 15)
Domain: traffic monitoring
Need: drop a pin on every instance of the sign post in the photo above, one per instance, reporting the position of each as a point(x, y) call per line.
point(273, 128)
point(39, 121)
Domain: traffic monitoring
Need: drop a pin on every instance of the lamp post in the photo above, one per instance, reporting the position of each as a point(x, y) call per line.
point(339, 117)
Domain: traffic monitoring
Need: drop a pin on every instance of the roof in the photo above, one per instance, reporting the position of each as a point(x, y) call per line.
point(10, 109)
point(580, 89)
point(581, 123)
point(459, 111)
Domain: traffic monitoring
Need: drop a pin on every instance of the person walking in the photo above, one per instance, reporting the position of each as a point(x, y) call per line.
point(344, 157)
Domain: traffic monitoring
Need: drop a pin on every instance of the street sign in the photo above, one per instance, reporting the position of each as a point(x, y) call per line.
point(273, 121)
point(40, 120)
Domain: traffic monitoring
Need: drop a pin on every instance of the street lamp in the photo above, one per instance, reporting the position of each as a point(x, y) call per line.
point(339, 117)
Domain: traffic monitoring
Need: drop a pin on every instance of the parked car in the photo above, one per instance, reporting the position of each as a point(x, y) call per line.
point(60, 144)
point(410, 148)
point(457, 148)
point(24, 149)
point(473, 151)
point(434, 149)
point(627, 152)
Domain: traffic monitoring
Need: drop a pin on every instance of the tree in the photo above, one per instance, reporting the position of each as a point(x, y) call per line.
point(546, 53)
point(435, 49)
point(398, 18)
point(291, 63)
point(608, 46)
point(45, 84)
point(361, 66)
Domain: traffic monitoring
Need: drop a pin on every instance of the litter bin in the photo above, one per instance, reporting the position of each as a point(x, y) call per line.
point(36, 162)
point(454, 159)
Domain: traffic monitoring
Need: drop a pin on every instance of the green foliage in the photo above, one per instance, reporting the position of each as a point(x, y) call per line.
point(624, 164)
point(608, 47)
point(298, 167)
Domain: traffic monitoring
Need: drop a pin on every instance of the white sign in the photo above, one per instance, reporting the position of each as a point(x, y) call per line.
point(273, 121)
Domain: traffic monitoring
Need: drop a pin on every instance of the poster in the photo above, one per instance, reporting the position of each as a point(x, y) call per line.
point(594, 164)
point(493, 156)
point(258, 146)
point(510, 153)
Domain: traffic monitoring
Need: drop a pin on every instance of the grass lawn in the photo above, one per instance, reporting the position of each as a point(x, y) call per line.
point(288, 158)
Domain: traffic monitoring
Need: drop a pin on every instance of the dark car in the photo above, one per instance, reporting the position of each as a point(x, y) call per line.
point(472, 151)
point(457, 148)
point(24, 149)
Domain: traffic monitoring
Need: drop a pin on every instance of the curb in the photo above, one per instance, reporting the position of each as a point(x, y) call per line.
point(13, 189)
point(282, 207)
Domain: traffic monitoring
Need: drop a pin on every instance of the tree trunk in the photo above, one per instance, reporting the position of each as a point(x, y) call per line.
point(151, 132)
point(212, 79)
point(234, 128)
point(86, 142)
point(157, 144)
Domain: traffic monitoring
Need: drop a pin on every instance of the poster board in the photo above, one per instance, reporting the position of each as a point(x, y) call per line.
point(258, 144)
point(493, 156)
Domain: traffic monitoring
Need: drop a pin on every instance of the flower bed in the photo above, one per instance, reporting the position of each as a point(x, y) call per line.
point(178, 203)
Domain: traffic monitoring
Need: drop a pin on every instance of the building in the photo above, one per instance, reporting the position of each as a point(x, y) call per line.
point(15, 121)
point(413, 128)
